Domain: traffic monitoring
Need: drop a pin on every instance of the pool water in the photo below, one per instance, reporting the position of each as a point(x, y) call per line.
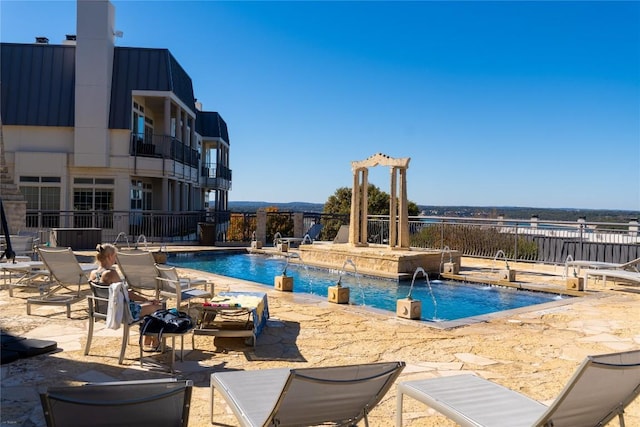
point(442, 300)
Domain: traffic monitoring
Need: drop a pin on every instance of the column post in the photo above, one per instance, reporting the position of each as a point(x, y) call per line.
point(404, 210)
point(364, 207)
point(393, 209)
point(354, 225)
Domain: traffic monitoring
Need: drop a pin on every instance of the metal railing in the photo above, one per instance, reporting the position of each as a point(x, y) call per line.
point(165, 147)
point(523, 240)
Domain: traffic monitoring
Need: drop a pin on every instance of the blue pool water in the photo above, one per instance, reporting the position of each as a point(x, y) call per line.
point(453, 300)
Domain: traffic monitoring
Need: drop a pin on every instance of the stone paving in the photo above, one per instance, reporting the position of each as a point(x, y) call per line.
point(533, 351)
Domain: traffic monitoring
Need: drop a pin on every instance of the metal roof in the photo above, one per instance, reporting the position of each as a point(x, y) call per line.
point(210, 124)
point(145, 69)
point(37, 84)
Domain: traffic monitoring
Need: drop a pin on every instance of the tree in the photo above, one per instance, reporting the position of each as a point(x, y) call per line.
point(340, 203)
point(377, 202)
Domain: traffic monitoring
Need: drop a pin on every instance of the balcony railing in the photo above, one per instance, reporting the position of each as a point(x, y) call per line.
point(215, 176)
point(165, 147)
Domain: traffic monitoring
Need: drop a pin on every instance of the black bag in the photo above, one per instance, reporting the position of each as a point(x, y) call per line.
point(165, 321)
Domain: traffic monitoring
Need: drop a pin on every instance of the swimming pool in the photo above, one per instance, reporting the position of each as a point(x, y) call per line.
point(442, 300)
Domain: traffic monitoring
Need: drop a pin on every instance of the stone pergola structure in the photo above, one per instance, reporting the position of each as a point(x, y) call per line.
point(398, 205)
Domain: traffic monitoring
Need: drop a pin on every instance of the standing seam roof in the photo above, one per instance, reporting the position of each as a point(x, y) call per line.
point(211, 124)
point(145, 69)
point(37, 84)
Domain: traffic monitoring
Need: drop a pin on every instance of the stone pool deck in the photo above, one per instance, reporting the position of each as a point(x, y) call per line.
point(534, 351)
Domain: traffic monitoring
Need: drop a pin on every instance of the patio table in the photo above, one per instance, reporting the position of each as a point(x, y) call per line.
point(232, 314)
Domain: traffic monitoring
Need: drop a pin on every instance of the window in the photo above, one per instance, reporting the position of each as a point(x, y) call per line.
point(93, 202)
point(43, 202)
point(142, 125)
point(141, 195)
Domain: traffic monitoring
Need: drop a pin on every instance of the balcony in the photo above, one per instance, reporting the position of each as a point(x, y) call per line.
point(215, 177)
point(164, 147)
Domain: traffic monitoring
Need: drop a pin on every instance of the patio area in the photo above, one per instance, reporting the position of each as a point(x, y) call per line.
point(533, 351)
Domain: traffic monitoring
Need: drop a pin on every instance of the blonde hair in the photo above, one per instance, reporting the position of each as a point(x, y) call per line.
point(104, 250)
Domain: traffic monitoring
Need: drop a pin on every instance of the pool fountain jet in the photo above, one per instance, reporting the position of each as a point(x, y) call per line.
point(409, 308)
point(507, 274)
point(255, 243)
point(279, 244)
point(573, 282)
point(141, 238)
point(121, 234)
point(448, 267)
point(339, 294)
point(283, 282)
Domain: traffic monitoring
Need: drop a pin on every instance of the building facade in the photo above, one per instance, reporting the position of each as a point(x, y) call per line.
point(94, 129)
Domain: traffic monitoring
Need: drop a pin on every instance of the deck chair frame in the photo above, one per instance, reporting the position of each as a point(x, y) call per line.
point(335, 395)
point(171, 285)
point(97, 308)
point(139, 269)
point(599, 390)
point(66, 272)
point(119, 403)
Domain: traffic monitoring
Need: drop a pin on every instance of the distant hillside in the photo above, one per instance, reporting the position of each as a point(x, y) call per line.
point(544, 214)
point(287, 207)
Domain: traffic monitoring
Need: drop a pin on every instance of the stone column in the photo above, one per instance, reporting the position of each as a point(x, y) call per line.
point(164, 196)
point(261, 226)
point(393, 209)
point(404, 210)
point(298, 224)
point(354, 226)
point(364, 207)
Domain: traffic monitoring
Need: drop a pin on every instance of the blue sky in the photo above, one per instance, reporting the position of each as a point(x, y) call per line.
point(496, 103)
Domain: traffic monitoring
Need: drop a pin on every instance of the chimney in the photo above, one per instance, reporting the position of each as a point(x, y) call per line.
point(70, 39)
point(42, 40)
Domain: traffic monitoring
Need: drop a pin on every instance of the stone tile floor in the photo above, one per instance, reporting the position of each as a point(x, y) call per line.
point(533, 351)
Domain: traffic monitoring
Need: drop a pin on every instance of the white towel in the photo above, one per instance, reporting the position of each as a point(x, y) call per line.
point(118, 309)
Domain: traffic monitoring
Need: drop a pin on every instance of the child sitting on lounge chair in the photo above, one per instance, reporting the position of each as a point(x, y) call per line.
point(106, 274)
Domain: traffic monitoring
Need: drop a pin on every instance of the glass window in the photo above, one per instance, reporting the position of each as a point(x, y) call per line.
point(93, 207)
point(43, 206)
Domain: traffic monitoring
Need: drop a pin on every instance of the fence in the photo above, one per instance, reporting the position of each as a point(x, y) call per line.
point(525, 240)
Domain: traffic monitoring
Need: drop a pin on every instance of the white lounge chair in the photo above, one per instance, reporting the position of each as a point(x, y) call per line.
point(338, 395)
point(603, 273)
point(139, 269)
point(66, 272)
point(141, 272)
point(170, 285)
point(162, 402)
point(599, 391)
point(598, 265)
point(309, 237)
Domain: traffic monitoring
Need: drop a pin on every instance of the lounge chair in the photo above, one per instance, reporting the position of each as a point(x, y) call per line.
point(339, 395)
point(139, 269)
point(624, 275)
point(24, 245)
point(343, 234)
point(597, 265)
point(309, 237)
point(66, 272)
point(599, 391)
point(170, 285)
point(98, 310)
point(123, 403)
point(141, 273)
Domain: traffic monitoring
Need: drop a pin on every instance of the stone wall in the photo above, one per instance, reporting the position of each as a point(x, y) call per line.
point(16, 212)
